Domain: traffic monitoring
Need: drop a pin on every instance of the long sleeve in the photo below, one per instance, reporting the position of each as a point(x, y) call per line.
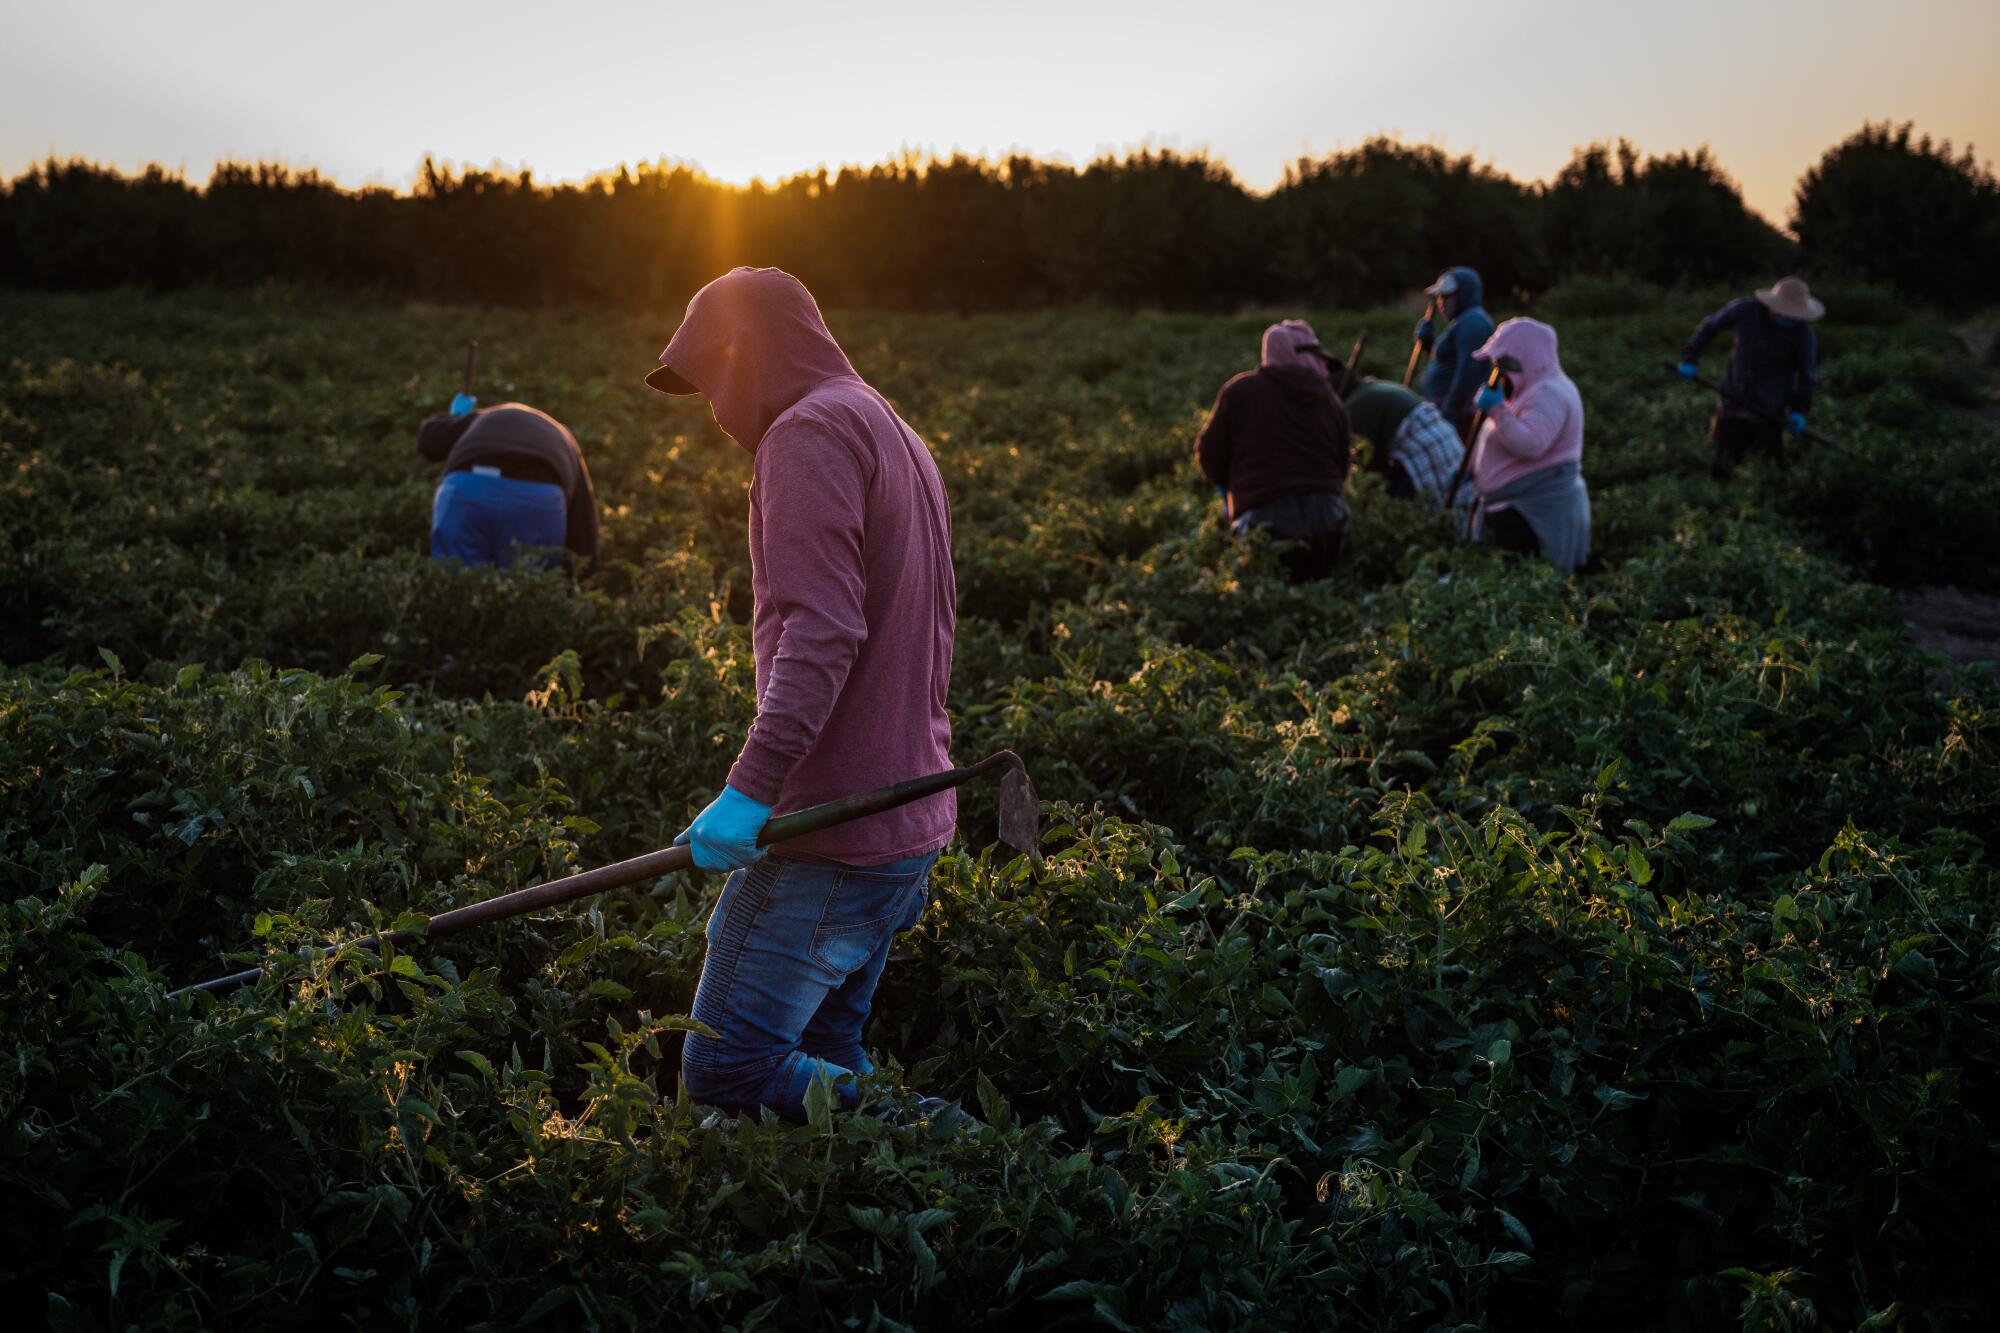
point(580, 527)
point(811, 491)
point(1705, 332)
point(440, 432)
point(1212, 448)
point(1528, 429)
point(1807, 383)
point(1465, 382)
point(1461, 341)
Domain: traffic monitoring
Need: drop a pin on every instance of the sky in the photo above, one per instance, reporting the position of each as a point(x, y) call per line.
point(363, 90)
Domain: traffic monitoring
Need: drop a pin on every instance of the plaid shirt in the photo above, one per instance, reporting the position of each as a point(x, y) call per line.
point(1429, 451)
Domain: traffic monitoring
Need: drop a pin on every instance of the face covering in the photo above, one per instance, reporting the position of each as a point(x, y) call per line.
point(1786, 321)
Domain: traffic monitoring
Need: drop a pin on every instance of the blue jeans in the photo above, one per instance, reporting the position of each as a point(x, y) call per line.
point(484, 520)
point(794, 951)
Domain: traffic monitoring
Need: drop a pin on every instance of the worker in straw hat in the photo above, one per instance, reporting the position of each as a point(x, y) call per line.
point(1773, 371)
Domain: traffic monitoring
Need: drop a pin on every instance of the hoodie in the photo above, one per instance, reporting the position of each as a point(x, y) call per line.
point(850, 567)
point(1541, 422)
point(1528, 455)
point(1456, 371)
point(1277, 430)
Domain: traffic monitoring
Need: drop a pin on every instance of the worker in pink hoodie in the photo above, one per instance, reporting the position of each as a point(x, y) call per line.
point(1527, 455)
point(850, 565)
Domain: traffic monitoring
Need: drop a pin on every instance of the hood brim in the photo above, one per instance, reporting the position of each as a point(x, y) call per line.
point(667, 381)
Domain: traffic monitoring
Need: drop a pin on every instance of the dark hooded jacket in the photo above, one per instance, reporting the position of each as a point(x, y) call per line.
point(1273, 432)
point(1455, 374)
point(527, 444)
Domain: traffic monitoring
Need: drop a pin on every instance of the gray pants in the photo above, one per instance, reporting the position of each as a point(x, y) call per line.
point(1315, 524)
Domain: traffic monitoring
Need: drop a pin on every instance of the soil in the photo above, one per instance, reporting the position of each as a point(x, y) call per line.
point(1964, 626)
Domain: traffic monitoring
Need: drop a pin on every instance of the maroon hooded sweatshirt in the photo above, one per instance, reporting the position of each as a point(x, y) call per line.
point(850, 564)
point(1278, 430)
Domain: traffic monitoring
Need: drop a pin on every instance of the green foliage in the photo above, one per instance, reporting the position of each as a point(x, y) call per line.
point(1674, 220)
point(1889, 206)
point(1152, 229)
point(1446, 945)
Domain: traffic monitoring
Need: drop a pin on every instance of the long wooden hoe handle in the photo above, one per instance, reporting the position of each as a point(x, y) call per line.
point(1703, 381)
point(652, 865)
point(1417, 346)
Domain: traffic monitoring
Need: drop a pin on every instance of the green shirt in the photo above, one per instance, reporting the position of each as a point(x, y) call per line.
point(1377, 408)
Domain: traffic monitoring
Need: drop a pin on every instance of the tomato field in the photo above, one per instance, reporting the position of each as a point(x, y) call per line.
point(1446, 945)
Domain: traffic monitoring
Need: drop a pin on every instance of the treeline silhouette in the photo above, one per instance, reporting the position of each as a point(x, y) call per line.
point(1150, 229)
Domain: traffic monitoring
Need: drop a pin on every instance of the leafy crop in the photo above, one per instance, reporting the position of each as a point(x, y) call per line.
point(1444, 946)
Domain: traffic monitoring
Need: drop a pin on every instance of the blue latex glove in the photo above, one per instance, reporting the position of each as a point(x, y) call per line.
point(461, 403)
point(725, 834)
point(1796, 421)
point(1688, 370)
point(1488, 398)
point(1423, 331)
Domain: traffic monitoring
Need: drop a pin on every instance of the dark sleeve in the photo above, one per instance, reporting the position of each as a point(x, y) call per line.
point(1807, 382)
point(439, 433)
point(1465, 381)
point(1704, 333)
point(580, 531)
point(1211, 450)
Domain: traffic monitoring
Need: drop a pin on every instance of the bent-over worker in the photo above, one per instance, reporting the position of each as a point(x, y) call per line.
point(850, 567)
point(1277, 443)
point(514, 480)
point(1415, 448)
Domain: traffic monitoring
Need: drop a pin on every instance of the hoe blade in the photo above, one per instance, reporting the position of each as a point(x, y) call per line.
point(1020, 812)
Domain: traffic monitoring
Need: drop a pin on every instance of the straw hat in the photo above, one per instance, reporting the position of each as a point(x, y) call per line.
point(1789, 297)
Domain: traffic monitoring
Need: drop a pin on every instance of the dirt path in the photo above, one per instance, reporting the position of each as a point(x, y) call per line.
point(1964, 626)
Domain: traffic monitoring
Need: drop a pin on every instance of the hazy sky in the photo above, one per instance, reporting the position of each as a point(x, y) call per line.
point(768, 87)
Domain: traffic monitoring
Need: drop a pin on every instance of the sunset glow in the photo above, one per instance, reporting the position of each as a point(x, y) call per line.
point(365, 92)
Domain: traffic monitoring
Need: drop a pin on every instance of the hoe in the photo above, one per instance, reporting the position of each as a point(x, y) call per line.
point(1020, 829)
point(1810, 436)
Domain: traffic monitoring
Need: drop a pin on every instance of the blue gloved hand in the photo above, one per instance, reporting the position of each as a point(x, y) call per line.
point(1688, 370)
point(1423, 330)
point(461, 403)
point(725, 834)
point(1488, 398)
point(1796, 421)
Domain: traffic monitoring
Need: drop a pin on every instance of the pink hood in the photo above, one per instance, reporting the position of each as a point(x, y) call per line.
point(1292, 343)
point(1528, 341)
point(1541, 423)
point(754, 342)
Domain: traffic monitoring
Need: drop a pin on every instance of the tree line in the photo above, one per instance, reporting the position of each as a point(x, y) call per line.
point(1153, 228)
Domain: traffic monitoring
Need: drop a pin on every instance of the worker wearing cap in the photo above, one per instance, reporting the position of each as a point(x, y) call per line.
point(1455, 372)
point(850, 568)
point(514, 480)
point(1773, 370)
point(1276, 444)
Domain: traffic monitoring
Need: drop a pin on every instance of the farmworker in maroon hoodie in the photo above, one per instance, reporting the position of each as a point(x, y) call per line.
point(850, 565)
point(1527, 456)
point(1276, 443)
